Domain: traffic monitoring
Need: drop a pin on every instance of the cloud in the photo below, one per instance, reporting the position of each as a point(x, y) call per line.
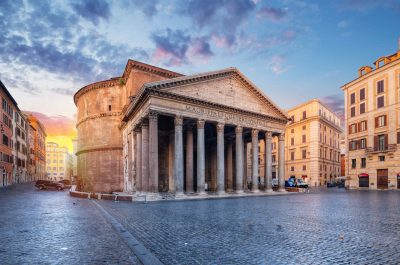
point(336, 103)
point(368, 5)
point(148, 7)
point(176, 47)
point(272, 14)
point(64, 91)
point(56, 125)
point(278, 65)
point(92, 10)
point(343, 24)
point(220, 18)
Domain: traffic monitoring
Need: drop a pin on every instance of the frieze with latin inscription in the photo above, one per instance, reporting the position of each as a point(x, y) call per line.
point(225, 116)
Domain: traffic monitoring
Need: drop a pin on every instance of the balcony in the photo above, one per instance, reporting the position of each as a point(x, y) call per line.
point(390, 148)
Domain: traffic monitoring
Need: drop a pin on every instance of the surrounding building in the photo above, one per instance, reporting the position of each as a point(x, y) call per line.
point(20, 150)
point(312, 144)
point(6, 129)
point(38, 147)
point(372, 114)
point(74, 159)
point(31, 149)
point(58, 162)
point(145, 122)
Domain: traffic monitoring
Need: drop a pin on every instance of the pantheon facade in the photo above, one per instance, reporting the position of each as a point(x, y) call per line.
point(153, 131)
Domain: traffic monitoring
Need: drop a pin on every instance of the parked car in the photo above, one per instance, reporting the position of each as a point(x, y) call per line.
point(67, 183)
point(300, 183)
point(47, 184)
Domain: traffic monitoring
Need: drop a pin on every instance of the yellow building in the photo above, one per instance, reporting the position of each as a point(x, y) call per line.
point(59, 162)
point(372, 113)
point(312, 139)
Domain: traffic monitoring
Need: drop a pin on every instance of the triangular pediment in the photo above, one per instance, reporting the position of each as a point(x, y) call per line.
point(226, 87)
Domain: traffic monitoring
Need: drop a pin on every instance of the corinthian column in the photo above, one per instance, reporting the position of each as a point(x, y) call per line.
point(145, 156)
point(138, 159)
point(189, 159)
point(281, 162)
point(220, 159)
point(268, 161)
point(153, 152)
point(239, 159)
point(201, 168)
point(229, 166)
point(178, 156)
point(254, 147)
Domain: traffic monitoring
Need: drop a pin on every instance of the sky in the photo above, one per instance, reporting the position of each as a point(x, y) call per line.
point(293, 50)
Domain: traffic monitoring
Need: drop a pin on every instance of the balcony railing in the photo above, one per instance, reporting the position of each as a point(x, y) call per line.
point(381, 149)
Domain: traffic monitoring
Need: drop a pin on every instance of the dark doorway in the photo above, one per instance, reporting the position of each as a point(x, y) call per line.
point(382, 178)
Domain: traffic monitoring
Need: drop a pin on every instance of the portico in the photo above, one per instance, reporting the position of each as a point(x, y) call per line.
point(188, 135)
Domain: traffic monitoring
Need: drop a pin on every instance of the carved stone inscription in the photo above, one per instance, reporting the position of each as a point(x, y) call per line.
point(227, 117)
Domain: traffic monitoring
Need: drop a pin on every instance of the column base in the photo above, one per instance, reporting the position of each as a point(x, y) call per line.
point(221, 193)
point(153, 196)
point(179, 195)
point(269, 190)
point(282, 190)
point(239, 192)
point(201, 193)
point(255, 191)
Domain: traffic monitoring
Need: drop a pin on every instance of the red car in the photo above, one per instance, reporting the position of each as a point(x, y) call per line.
point(46, 184)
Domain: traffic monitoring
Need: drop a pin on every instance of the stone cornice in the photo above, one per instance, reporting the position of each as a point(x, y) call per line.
point(101, 84)
point(186, 80)
point(168, 95)
point(132, 64)
point(87, 150)
point(97, 116)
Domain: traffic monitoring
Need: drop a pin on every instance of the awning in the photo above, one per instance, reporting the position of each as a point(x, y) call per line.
point(363, 175)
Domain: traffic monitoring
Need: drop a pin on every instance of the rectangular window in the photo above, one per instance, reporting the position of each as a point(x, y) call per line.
point(304, 167)
point(292, 131)
point(353, 112)
point(363, 126)
point(380, 121)
point(5, 140)
point(353, 98)
point(292, 118)
point(304, 115)
point(362, 94)
point(381, 158)
point(109, 107)
point(353, 163)
point(304, 127)
point(304, 154)
point(362, 108)
point(380, 87)
point(363, 162)
point(304, 138)
point(362, 143)
point(291, 155)
point(292, 141)
point(381, 102)
point(291, 168)
point(381, 142)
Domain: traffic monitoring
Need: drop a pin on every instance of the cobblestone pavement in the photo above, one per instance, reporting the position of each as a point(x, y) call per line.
point(46, 227)
point(324, 227)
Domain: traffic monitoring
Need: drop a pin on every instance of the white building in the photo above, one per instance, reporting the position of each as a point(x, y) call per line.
point(59, 162)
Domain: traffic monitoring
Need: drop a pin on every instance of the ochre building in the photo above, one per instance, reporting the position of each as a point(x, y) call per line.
point(152, 130)
point(313, 143)
point(372, 111)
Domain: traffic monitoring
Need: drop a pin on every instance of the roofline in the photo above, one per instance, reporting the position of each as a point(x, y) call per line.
point(373, 72)
point(310, 101)
point(131, 64)
point(9, 95)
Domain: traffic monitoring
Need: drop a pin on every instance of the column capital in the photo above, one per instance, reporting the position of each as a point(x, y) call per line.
point(200, 124)
point(238, 129)
point(220, 127)
point(254, 133)
point(144, 123)
point(268, 135)
point(281, 137)
point(178, 120)
point(153, 115)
